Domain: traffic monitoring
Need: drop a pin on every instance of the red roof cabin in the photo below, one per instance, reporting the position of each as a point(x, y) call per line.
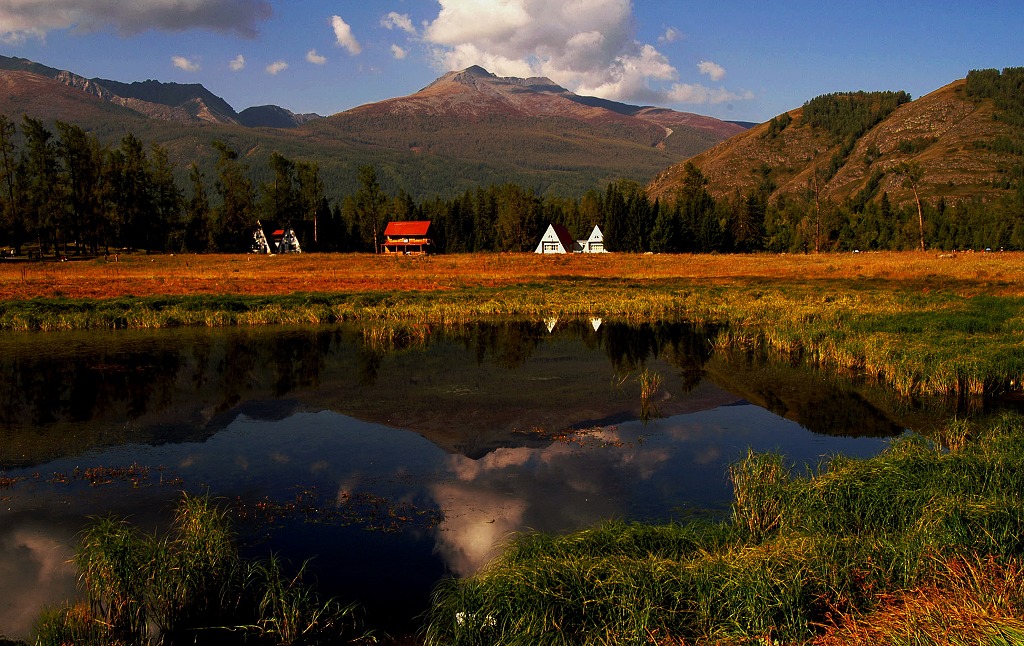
point(407, 238)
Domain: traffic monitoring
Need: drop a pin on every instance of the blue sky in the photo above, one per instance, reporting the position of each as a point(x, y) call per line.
point(725, 58)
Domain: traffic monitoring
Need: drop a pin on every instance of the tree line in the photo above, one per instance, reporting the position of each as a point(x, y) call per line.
point(70, 194)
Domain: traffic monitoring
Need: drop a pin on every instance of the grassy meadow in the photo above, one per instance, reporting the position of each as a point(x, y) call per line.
point(917, 544)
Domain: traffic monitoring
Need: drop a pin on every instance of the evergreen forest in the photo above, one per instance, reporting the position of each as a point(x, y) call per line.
point(66, 194)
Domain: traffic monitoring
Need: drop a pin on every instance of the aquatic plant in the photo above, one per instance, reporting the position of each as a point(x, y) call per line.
point(70, 624)
point(192, 586)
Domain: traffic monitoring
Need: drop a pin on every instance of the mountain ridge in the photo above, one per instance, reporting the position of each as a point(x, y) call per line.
point(945, 132)
point(465, 129)
point(167, 101)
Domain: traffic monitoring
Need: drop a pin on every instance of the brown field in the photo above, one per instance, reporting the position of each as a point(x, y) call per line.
point(143, 275)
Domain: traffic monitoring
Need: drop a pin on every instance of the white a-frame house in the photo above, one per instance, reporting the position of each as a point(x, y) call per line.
point(557, 239)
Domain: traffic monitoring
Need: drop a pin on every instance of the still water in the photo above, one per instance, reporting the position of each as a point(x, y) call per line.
point(395, 466)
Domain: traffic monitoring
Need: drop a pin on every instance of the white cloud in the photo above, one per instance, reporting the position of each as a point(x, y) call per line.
point(398, 52)
point(315, 58)
point(185, 64)
point(237, 64)
point(275, 67)
point(671, 35)
point(588, 46)
point(23, 19)
point(715, 71)
point(698, 94)
point(402, 22)
point(343, 33)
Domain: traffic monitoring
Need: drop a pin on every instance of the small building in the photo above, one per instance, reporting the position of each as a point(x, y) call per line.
point(556, 239)
point(259, 240)
point(407, 238)
point(285, 241)
point(593, 244)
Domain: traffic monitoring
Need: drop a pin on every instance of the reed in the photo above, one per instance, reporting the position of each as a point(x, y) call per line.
point(70, 624)
point(190, 586)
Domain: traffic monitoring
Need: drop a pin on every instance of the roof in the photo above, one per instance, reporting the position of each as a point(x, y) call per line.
point(564, 236)
point(415, 228)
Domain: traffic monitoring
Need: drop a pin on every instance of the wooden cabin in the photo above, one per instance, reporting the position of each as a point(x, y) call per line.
point(407, 238)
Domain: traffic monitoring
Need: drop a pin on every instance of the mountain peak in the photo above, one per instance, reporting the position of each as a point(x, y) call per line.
point(476, 70)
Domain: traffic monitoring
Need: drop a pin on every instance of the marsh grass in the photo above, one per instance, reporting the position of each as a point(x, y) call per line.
point(190, 586)
point(928, 342)
point(803, 556)
point(70, 624)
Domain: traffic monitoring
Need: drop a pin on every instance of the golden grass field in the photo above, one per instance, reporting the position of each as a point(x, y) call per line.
point(143, 275)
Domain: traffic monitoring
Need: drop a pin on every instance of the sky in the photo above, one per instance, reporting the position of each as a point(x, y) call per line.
point(746, 61)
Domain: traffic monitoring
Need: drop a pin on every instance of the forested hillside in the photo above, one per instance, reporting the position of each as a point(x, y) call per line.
point(875, 170)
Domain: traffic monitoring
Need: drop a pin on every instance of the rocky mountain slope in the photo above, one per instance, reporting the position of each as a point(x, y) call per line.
point(534, 114)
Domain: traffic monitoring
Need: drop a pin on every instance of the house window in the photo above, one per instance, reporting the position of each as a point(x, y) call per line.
point(596, 246)
point(550, 247)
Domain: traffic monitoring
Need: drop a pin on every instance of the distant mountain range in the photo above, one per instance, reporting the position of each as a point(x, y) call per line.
point(465, 129)
point(181, 103)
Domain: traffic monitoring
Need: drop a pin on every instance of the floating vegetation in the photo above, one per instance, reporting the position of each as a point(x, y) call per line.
point(135, 474)
point(361, 509)
point(583, 438)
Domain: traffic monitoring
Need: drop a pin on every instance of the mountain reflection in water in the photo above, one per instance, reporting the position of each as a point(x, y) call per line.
point(392, 466)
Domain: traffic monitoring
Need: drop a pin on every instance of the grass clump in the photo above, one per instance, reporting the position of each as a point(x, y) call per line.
point(189, 585)
point(855, 545)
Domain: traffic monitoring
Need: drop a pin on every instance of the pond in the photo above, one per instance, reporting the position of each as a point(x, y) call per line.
point(393, 465)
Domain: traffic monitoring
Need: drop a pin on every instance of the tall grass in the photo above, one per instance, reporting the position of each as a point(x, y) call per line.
point(189, 586)
point(800, 553)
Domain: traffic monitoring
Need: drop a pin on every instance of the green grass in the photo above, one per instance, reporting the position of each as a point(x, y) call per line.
point(189, 586)
point(797, 554)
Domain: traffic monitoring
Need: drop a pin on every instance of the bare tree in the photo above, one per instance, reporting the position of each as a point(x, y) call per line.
point(912, 174)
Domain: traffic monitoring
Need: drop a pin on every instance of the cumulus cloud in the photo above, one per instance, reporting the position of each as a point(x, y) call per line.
point(671, 35)
point(715, 71)
point(185, 64)
point(344, 36)
point(237, 64)
point(275, 67)
point(398, 52)
point(589, 46)
point(402, 22)
point(315, 58)
point(33, 18)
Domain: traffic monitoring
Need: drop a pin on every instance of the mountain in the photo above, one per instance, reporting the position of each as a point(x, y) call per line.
point(953, 136)
point(273, 116)
point(466, 129)
point(475, 114)
point(177, 102)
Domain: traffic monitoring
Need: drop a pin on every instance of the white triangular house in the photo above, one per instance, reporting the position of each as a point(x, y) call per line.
point(593, 244)
point(556, 240)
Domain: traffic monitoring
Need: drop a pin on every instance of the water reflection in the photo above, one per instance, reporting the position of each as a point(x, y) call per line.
point(455, 442)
